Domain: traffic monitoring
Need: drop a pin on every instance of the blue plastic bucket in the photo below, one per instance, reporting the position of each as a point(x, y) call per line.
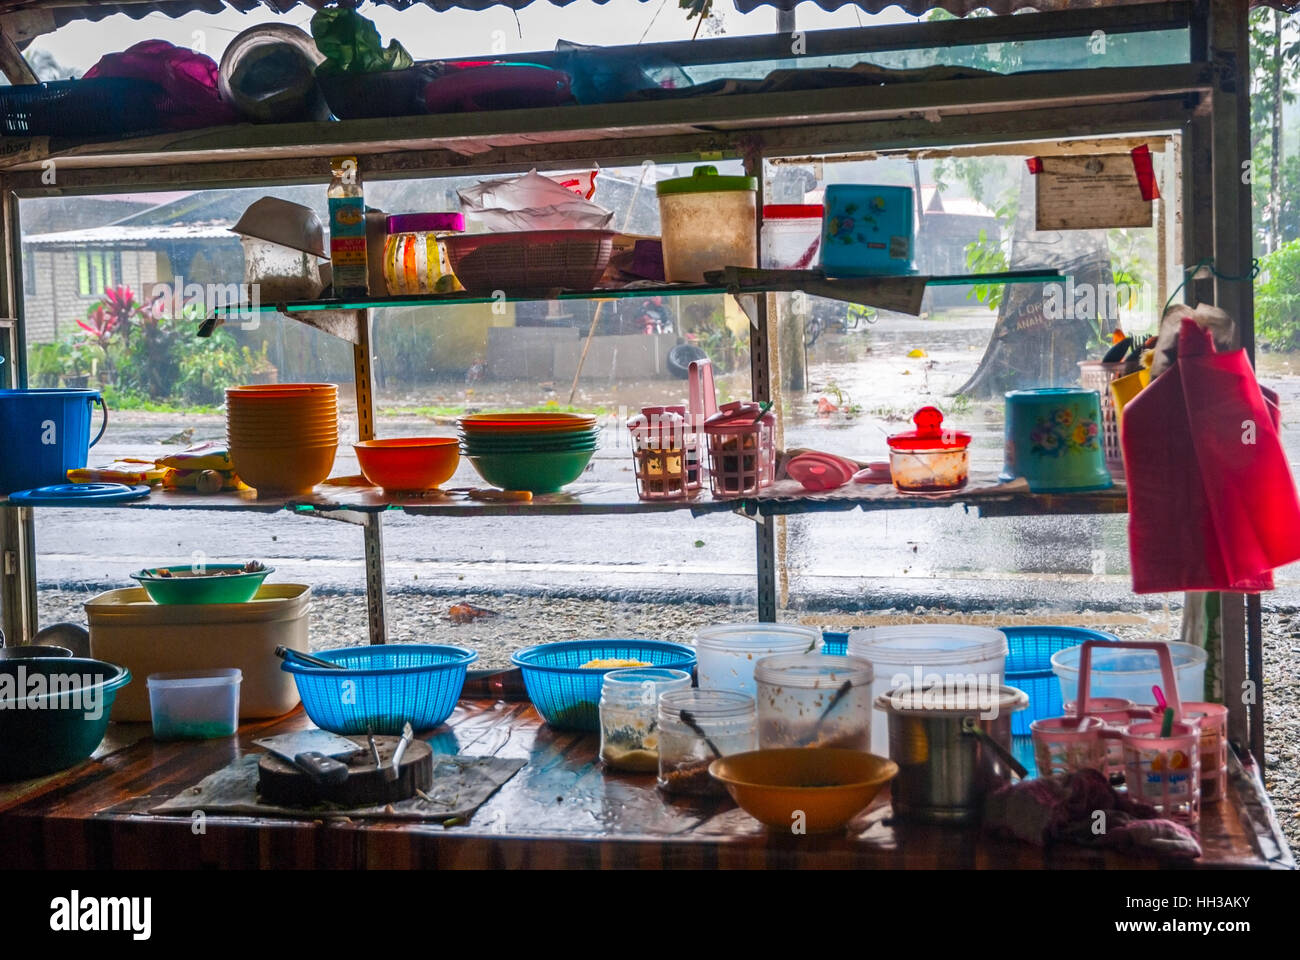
point(44, 434)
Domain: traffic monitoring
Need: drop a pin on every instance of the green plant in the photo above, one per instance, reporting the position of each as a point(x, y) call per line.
point(46, 363)
point(986, 256)
point(1277, 298)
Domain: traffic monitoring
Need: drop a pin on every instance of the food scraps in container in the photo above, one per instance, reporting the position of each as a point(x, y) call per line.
point(167, 573)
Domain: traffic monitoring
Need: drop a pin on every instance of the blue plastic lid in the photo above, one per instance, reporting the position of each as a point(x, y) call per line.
point(81, 494)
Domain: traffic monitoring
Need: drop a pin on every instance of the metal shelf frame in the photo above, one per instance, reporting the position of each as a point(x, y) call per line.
point(1202, 104)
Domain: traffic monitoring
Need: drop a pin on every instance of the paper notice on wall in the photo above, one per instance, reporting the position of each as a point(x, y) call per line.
point(1092, 193)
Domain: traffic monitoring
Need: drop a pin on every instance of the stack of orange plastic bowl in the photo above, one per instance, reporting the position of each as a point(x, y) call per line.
point(538, 452)
point(283, 436)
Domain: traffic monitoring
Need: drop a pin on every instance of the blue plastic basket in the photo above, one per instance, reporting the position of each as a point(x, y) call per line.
point(1029, 667)
point(567, 696)
point(383, 686)
point(82, 108)
point(835, 643)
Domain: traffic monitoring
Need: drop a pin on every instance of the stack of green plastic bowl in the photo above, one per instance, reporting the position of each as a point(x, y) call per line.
point(537, 452)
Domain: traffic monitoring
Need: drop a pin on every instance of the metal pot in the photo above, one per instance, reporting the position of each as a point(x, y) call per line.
point(952, 747)
point(33, 650)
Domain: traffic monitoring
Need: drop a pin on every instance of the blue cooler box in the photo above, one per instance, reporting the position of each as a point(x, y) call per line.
point(867, 231)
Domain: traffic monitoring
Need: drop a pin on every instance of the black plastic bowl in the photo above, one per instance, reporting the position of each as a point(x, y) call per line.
point(53, 712)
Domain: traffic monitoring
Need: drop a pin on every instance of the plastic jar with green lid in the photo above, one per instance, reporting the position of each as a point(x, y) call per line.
point(708, 221)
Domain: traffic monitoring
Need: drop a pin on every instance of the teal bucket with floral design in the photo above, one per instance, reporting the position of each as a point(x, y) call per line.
point(1054, 440)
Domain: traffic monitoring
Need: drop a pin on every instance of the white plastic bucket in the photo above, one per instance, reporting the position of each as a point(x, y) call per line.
point(924, 655)
point(1130, 674)
point(727, 652)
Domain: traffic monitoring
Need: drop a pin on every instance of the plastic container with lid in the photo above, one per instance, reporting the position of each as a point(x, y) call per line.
point(195, 704)
point(867, 230)
point(791, 238)
point(707, 222)
point(930, 458)
point(629, 715)
point(928, 653)
point(742, 449)
point(1054, 440)
point(660, 454)
point(796, 691)
point(727, 719)
point(727, 652)
point(415, 260)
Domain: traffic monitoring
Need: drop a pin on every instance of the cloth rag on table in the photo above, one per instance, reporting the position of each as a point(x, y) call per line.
point(460, 786)
point(1212, 503)
point(1063, 809)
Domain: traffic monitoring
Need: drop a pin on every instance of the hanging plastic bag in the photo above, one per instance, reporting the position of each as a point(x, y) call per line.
point(1212, 502)
point(534, 202)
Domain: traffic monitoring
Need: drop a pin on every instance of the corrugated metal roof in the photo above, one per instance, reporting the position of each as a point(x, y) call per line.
point(70, 10)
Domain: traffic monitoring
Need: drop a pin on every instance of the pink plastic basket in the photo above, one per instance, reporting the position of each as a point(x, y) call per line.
point(1213, 721)
point(1066, 744)
point(529, 261)
point(1165, 771)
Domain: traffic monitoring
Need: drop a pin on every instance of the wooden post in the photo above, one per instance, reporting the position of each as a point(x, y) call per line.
point(1229, 55)
point(372, 528)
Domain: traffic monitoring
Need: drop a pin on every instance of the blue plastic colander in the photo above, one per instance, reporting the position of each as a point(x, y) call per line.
point(567, 696)
point(1029, 667)
point(382, 686)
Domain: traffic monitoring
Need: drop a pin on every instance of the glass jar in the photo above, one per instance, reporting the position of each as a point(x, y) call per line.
point(728, 719)
point(629, 716)
point(796, 691)
point(415, 260)
point(742, 449)
point(791, 238)
point(929, 458)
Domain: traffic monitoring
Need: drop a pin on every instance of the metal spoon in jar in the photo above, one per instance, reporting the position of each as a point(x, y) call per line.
point(688, 718)
point(840, 694)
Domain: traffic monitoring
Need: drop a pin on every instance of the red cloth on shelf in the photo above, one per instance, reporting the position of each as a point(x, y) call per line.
point(1212, 503)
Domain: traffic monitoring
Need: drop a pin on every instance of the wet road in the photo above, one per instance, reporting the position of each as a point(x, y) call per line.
point(855, 560)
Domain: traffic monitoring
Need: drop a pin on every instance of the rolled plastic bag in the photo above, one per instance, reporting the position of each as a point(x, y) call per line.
point(532, 202)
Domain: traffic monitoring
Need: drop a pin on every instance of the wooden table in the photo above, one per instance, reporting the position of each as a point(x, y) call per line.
point(561, 810)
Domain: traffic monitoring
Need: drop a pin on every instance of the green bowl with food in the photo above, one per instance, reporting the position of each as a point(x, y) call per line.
point(192, 583)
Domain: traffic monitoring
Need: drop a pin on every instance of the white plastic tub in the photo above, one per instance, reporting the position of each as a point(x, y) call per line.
point(194, 704)
point(1130, 674)
point(727, 652)
point(924, 655)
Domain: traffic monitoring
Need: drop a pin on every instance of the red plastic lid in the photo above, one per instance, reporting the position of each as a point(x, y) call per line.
point(793, 211)
point(929, 434)
point(817, 472)
point(738, 416)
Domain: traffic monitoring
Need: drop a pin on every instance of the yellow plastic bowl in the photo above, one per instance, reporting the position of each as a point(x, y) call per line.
point(283, 471)
point(830, 786)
